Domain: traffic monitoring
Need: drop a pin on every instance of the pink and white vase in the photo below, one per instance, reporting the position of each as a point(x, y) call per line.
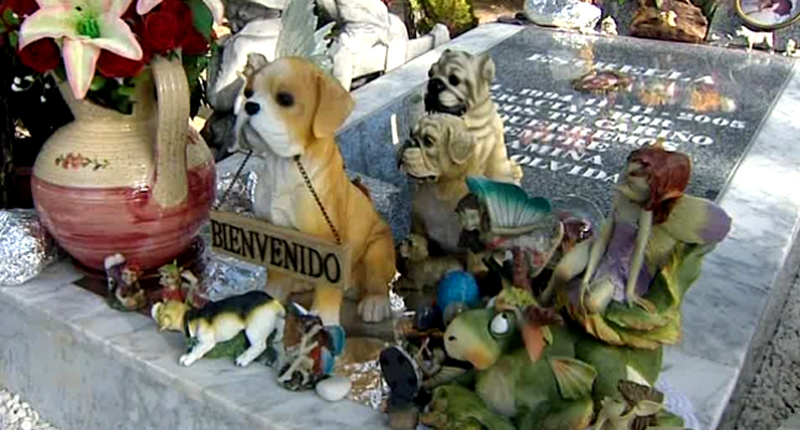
point(140, 184)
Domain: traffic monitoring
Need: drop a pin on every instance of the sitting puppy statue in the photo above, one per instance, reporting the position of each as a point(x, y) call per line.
point(287, 115)
point(459, 85)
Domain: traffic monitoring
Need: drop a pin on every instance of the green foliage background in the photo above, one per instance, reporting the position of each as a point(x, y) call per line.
point(457, 15)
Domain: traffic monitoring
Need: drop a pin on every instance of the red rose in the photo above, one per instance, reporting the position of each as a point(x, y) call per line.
point(41, 56)
point(180, 10)
point(22, 7)
point(112, 65)
point(194, 43)
point(162, 31)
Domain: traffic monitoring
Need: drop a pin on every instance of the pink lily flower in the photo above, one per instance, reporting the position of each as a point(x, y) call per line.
point(84, 28)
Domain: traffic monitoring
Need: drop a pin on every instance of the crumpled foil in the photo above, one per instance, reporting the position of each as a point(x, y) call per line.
point(26, 247)
point(225, 277)
point(369, 387)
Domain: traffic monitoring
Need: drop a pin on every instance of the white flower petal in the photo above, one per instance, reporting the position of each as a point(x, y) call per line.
point(144, 6)
point(50, 3)
point(52, 21)
point(116, 36)
point(117, 7)
point(80, 60)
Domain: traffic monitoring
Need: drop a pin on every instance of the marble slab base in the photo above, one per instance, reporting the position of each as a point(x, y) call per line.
point(87, 367)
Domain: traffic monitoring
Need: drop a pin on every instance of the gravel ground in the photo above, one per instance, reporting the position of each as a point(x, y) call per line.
point(775, 394)
point(18, 415)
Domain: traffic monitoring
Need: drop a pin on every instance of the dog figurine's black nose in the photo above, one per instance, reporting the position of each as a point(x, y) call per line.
point(436, 86)
point(252, 108)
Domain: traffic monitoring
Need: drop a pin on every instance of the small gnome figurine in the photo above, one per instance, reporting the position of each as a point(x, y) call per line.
point(171, 282)
point(180, 286)
point(124, 291)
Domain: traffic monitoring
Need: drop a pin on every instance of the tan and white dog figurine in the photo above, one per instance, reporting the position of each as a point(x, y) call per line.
point(288, 115)
point(459, 85)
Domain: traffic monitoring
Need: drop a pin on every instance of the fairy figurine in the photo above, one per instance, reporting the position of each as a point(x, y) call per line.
point(625, 286)
point(501, 218)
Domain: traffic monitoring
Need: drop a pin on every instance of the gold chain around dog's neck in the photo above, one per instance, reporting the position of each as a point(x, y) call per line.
point(310, 187)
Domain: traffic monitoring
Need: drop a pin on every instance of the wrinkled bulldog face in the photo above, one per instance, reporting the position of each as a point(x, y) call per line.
point(439, 146)
point(458, 82)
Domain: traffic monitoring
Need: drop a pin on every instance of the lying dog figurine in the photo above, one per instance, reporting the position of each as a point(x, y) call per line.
point(459, 85)
point(288, 115)
point(420, 270)
point(256, 313)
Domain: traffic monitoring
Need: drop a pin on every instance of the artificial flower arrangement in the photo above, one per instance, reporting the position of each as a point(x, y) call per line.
point(101, 47)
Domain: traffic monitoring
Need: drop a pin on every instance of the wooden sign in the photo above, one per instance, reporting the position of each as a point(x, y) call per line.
point(284, 250)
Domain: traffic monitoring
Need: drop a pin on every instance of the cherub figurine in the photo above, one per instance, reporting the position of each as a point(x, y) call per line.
point(500, 218)
point(124, 291)
point(654, 227)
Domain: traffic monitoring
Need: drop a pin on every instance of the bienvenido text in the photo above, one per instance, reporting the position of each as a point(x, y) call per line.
point(274, 251)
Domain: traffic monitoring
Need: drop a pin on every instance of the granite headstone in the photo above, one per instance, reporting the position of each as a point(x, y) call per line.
point(708, 102)
point(704, 101)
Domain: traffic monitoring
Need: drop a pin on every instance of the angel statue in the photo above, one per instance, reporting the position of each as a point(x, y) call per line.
point(625, 286)
point(501, 218)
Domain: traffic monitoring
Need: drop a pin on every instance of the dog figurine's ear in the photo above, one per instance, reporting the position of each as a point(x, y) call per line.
point(486, 65)
point(460, 144)
point(333, 107)
point(255, 62)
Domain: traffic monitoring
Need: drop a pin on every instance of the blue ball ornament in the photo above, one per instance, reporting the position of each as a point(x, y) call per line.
point(457, 287)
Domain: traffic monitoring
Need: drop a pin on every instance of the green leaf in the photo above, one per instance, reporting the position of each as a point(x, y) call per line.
point(126, 91)
point(574, 377)
point(13, 39)
point(3, 27)
point(97, 83)
point(201, 17)
point(10, 17)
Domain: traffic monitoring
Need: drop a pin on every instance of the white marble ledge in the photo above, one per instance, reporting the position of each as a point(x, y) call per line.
point(133, 340)
point(394, 85)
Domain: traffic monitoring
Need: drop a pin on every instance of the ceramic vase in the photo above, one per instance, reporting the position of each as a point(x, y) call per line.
point(139, 184)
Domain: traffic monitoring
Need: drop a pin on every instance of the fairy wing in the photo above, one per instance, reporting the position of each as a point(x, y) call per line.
point(692, 220)
point(698, 221)
point(511, 210)
point(299, 36)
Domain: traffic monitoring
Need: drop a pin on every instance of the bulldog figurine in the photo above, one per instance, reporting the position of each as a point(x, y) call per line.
point(459, 85)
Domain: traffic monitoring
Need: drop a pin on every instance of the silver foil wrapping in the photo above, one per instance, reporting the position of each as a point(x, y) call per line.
point(25, 246)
